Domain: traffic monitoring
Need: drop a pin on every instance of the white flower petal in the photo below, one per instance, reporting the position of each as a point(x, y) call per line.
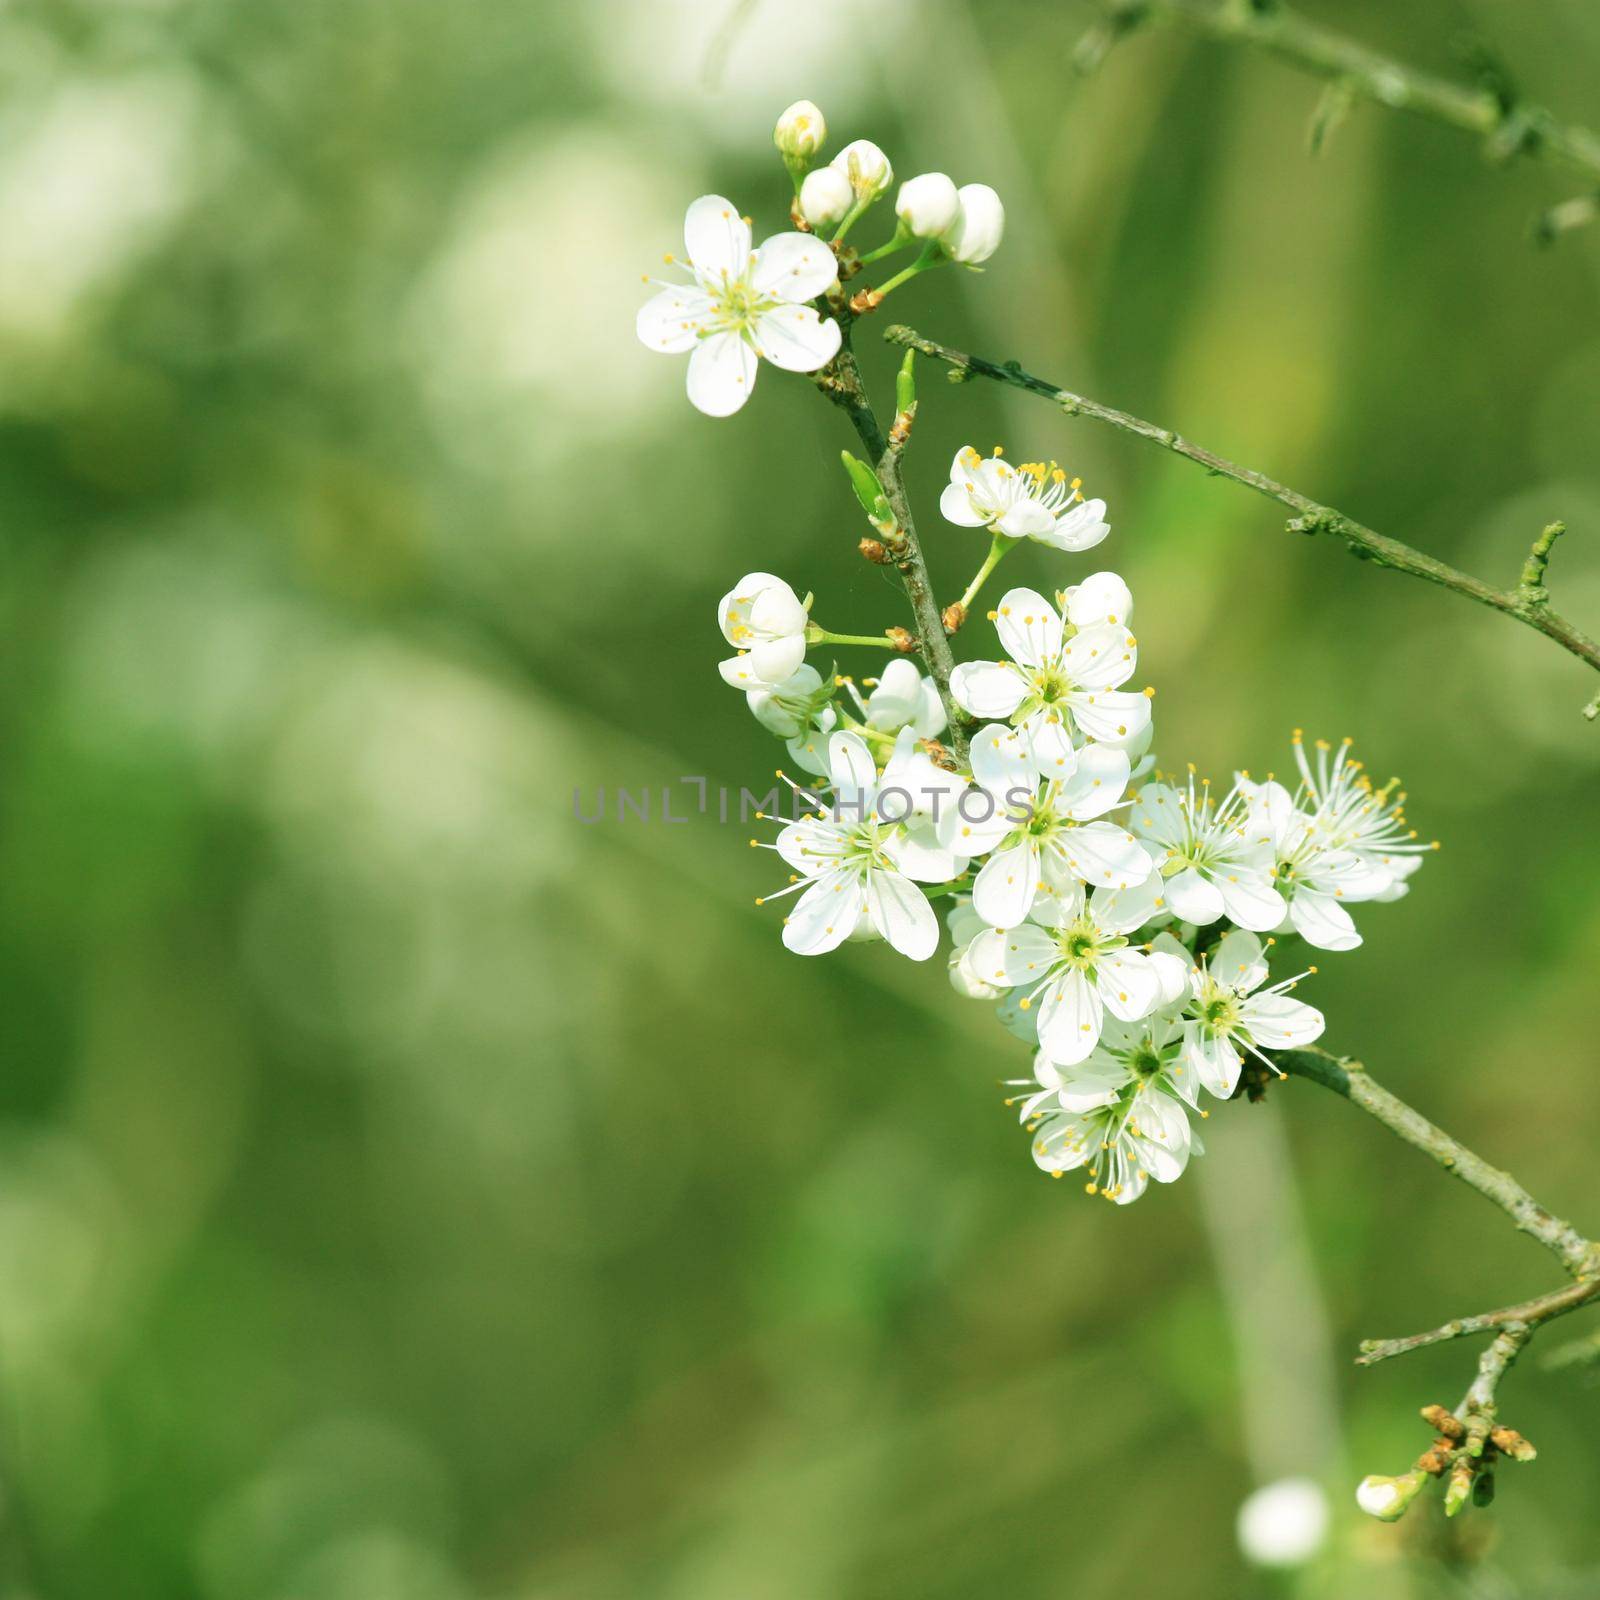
point(1128, 984)
point(1025, 518)
point(1277, 1022)
point(722, 372)
point(1003, 891)
point(794, 266)
point(825, 915)
point(1214, 1061)
point(1029, 629)
point(987, 689)
point(796, 338)
point(1250, 900)
point(955, 505)
point(901, 913)
point(1110, 715)
point(1238, 962)
point(716, 237)
point(1106, 856)
point(1081, 528)
point(1014, 957)
point(1096, 785)
point(1070, 1018)
point(671, 320)
point(1319, 919)
point(1102, 598)
point(773, 660)
point(854, 772)
point(1193, 898)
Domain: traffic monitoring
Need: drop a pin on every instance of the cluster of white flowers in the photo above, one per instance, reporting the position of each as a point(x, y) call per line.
point(740, 304)
point(1112, 915)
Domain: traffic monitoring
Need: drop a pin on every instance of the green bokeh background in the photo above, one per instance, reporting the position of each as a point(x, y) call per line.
point(407, 1193)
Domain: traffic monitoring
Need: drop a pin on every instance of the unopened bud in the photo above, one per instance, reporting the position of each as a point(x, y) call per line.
point(976, 233)
point(901, 640)
point(876, 551)
point(1511, 1443)
point(953, 616)
point(1387, 1498)
point(800, 132)
point(1444, 1422)
point(865, 483)
point(825, 197)
point(1460, 1487)
point(927, 205)
point(867, 168)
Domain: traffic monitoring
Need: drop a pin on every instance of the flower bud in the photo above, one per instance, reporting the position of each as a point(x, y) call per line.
point(867, 168)
point(927, 206)
point(825, 196)
point(800, 132)
point(1387, 1498)
point(975, 234)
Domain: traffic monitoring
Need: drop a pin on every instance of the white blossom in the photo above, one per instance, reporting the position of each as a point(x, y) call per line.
point(1074, 962)
point(766, 622)
point(927, 205)
point(1035, 500)
point(741, 303)
point(902, 697)
point(1316, 878)
point(1054, 686)
point(1040, 832)
point(858, 865)
point(1124, 1144)
point(975, 234)
point(1354, 814)
point(1228, 1012)
point(1214, 857)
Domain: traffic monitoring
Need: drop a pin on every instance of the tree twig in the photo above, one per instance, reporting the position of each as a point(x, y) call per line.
point(1579, 1255)
point(1529, 606)
point(1507, 125)
point(1528, 1314)
point(841, 381)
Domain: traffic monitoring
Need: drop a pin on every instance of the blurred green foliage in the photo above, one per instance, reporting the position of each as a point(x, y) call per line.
point(409, 1193)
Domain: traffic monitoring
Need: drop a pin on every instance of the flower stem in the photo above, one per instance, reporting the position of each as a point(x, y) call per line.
point(999, 547)
point(850, 218)
point(930, 257)
point(816, 635)
point(898, 242)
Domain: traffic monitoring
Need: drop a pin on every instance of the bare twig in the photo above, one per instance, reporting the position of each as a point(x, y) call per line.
point(1579, 1255)
point(1507, 125)
point(1529, 606)
point(1529, 1314)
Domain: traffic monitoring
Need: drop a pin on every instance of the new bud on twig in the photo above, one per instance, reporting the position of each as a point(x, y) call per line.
point(954, 615)
point(903, 641)
point(1387, 1498)
point(799, 135)
point(1444, 1422)
point(876, 551)
point(825, 197)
